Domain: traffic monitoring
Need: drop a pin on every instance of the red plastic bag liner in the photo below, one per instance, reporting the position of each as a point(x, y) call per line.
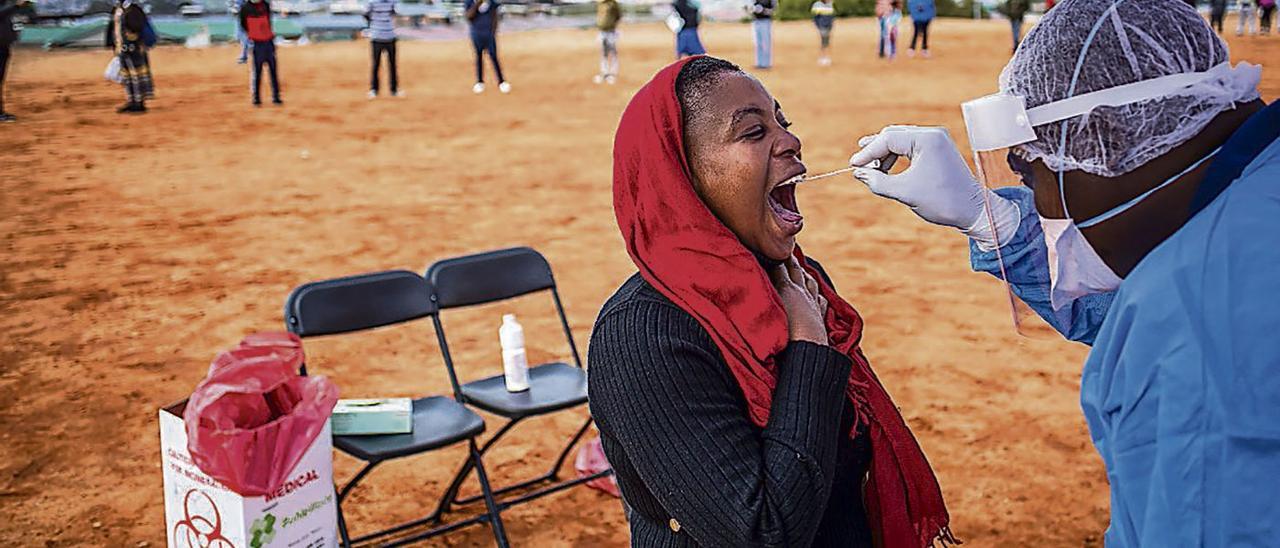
point(591, 460)
point(250, 421)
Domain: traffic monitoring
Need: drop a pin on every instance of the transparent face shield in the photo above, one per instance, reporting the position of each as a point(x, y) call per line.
point(998, 123)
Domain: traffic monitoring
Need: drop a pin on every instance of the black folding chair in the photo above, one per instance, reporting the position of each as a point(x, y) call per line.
point(496, 276)
point(364, 302)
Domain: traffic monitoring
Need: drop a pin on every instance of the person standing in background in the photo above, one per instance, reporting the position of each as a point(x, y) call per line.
point(1217, 12)
point(483, 17)
point(233, 6)
point(607, 16)
point(124, 39)
point(882, 10)
point(382, 37)
point(255, 19)
point(762, 28)
point(824, 17)
point(1248, 22)
point(1015, 10)
point(687, 42)
point(889, 30)
point(7, 37)
point(922, 13)
point(1267, 7)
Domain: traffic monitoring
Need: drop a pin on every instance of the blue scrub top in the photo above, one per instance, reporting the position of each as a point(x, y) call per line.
point(1182, 389)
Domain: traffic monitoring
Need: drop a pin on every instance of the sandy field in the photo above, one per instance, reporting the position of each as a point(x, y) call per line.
point(135, 248)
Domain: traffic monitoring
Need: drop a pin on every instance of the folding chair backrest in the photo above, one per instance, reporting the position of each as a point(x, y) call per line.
point(488, 277)
point(355, 303)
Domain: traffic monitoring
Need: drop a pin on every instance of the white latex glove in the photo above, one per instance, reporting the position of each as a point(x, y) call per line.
point(938, 185)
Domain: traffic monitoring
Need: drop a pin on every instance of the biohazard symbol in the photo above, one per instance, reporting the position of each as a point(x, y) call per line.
point(263, 531)
point(202, 524)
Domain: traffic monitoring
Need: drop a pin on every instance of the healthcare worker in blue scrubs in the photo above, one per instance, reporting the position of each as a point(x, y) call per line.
point(1147, 225)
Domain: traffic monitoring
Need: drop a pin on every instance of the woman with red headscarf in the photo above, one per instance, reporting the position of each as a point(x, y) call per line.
point(726, 378)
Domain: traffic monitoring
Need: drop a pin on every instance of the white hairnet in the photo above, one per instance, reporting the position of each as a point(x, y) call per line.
point(1127, 41)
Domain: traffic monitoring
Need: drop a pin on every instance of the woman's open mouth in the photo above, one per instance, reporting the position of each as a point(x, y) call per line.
point(782, 201)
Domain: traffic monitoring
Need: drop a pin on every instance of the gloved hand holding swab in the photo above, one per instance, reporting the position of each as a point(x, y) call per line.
point(938, 186)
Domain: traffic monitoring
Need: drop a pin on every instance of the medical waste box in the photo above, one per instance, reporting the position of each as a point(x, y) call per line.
point(202, 513)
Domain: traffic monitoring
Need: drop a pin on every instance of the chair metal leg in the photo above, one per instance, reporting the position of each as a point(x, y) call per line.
point(343, 535)
point(495, 513)
point(359, 476)
point(342, 495)
point(493, 506)
point(551, 476)
point(554, 488)
point(433, 518)
point(404, 541)
point(498, 435)
point(451, 494)
point(490, 516)
point(555, 470)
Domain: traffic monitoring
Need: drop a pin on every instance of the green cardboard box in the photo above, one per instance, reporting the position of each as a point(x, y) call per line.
point(366, 417)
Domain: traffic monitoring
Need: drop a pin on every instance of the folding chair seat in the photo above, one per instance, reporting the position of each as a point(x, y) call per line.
point(364, 302)
point(559, 386)
point(496, 276)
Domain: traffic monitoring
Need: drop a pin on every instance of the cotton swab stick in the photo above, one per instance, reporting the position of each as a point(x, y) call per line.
point(828, 174)
point(884, 165)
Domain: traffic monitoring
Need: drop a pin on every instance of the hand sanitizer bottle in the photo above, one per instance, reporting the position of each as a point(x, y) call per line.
point(515, 366)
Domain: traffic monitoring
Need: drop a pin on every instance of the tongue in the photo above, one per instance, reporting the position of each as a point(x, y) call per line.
point(784, 214)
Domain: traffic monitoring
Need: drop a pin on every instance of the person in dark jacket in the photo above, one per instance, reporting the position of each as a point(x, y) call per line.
point(687, 41)
point(255, 19)
point(124, 39)
point(382, 38)
point(1265, 9)
point(1217, 12)
point(733, 402)
point(824, 18)
point(922, 13)
point(483, 18)
point(1015, 10)
point(7, 37)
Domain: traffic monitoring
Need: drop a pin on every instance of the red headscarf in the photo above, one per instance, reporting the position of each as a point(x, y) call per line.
point(689, 256)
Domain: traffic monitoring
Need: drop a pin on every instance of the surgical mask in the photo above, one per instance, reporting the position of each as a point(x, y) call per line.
point(1075, 269)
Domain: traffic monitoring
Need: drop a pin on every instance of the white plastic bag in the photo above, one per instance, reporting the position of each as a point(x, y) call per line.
point(112, 74)
point(201, 39)
point(675, 22)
